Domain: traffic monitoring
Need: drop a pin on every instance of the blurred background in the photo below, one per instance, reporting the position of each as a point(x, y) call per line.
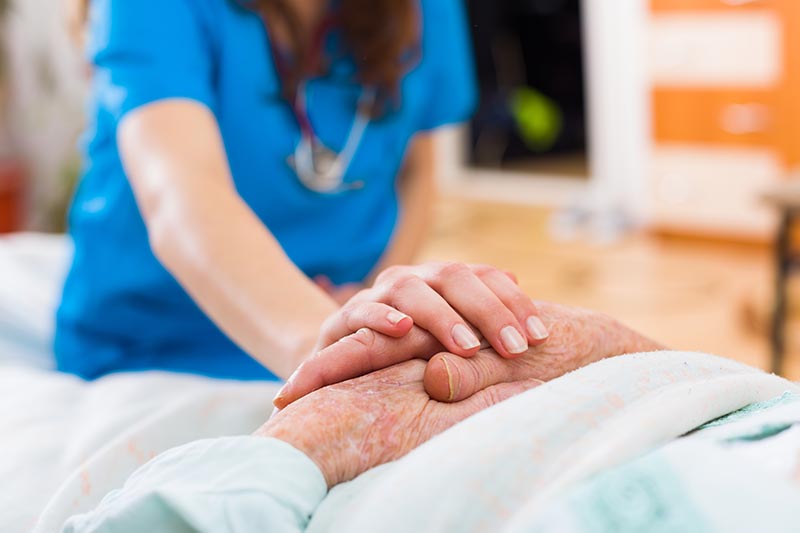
point(633, 156)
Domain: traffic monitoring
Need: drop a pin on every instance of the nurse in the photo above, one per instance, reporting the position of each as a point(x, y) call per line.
point(239, 150)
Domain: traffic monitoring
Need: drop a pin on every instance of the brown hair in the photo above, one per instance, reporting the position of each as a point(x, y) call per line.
point(382, 37)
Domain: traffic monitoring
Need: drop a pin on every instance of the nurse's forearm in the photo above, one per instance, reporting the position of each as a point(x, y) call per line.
point(417, 191)
point(237, 272)
point(211, 241)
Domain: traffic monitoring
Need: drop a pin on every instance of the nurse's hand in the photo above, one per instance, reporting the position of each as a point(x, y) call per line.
point(443, 301)
point(578, 337)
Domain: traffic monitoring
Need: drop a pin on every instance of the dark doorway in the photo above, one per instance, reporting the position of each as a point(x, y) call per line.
point(532, 113)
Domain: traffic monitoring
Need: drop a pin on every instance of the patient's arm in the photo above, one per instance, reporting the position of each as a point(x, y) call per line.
point(274, 480)
point(216, 485)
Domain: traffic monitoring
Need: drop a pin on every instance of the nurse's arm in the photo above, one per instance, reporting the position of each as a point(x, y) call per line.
point(211, 241)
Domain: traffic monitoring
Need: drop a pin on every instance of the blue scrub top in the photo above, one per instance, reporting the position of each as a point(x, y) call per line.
point(121, 310)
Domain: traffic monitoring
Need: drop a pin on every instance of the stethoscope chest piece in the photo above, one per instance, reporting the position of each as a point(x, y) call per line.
point(319, 168)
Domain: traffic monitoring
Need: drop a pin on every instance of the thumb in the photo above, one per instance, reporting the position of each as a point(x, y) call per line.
point(450, 378)
point(493, 395)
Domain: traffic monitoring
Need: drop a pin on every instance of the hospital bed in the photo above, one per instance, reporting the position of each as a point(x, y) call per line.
point(598, 448)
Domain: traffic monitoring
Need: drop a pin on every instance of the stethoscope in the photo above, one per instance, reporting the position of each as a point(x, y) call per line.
point(319, 168)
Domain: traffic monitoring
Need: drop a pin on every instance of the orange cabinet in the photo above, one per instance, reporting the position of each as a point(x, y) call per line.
point(697, 5)
point(725, 89)
point(744, 117)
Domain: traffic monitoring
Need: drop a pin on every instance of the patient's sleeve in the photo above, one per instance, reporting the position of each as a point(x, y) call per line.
point(219, 485)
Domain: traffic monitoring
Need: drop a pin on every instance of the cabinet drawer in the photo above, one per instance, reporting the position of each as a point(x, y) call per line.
point(718, 117)
point(708, 49)
point(659, 6)
point(713, 191)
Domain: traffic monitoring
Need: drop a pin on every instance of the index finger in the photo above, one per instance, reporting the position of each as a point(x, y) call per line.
point(358, 354)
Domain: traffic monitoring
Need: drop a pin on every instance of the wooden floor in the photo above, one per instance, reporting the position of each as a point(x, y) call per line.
point(691, 295)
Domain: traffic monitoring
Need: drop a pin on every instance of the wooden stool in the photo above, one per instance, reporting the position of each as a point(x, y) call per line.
point(786, 199)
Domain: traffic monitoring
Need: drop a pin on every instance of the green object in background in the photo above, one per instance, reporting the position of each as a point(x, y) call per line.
point(539, 119)
point(5, 6)
point(58, 208)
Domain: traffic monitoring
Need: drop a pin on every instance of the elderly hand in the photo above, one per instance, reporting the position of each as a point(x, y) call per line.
point(444, 300)
point(350, 427)
point(578, 337)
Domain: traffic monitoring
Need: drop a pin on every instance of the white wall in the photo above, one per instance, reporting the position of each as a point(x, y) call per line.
point(619, 105)
point(47, 91)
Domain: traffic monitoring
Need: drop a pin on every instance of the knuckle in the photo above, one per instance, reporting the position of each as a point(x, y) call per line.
point(521, 302)
point(405, 281)
point(452, 270)
point(351, 318)
point(483, 270)
point(492, 396)
point(364, 338)
point(390, 273)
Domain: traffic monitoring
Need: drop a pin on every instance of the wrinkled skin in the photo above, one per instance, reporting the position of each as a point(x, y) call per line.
point(578, 337)
point(451, 302)
point(351, 427)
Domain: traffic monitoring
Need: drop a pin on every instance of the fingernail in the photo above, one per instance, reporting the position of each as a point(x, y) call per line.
point(280, 398)
point(464, 338)
point(451, 387)
point(536, 328)
point(513, 340)
point(395, 317)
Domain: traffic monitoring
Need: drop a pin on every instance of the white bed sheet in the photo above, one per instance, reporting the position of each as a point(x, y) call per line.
point(58, 432)
point(65, 443)
point(32, 269)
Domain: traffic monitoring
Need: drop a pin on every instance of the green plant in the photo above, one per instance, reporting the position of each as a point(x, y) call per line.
point(5, 7)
